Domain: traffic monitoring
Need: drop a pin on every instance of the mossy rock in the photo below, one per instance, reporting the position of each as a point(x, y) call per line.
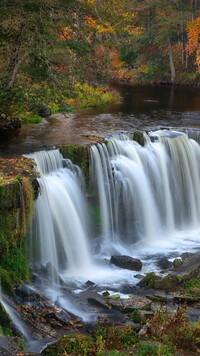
point(5, 320)
point(151, 280)
point(177, 263)
point(169, 282)
point(79, 155)
point(16, 210)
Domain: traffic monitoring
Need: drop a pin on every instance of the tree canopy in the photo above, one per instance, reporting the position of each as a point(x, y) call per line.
point(51, 45)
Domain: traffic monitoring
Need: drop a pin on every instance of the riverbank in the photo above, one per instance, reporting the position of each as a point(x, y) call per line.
point(142, 319)
point(33, 105)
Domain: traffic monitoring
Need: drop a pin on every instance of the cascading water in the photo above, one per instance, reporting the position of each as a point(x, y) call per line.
point(147, 193)
point(59, 233)
point(146, 200)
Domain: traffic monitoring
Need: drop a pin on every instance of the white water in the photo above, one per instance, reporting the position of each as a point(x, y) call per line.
point(19, 324)
point(59, 233)
point(149, 204)
point(149, 196)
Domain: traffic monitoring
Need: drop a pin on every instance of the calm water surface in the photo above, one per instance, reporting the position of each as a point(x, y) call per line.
point(139, 108)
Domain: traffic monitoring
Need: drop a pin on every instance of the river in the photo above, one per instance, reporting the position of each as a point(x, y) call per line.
point(139, 108)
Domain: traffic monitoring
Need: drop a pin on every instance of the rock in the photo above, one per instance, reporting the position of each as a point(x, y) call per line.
point(89, 283)
point(169, 282)
point(151, 280)
point(177, 263)
point(185, 299)
point(193, 273)
point(128, 305)
point(126, 262)
point(25, 292)
point(5, 320)
point(164, 263)
point(58, 318)
point(106, 294)
point(98, 302)
point(190, 267)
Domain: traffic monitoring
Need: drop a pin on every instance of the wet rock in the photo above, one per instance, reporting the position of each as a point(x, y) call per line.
point(151, 280)
point(89, 284)
point(190, 267)
point(25, 292)
point(126, 262)
point(164, 263)
point(177, 263)
point(9, 346)
point(169, 282)
point(47, 272)
point(128, 305)
point(98, 302)
point(57, 318)
point(106, 294)
point(185, 299)
point(5, 320)
point(139, 276)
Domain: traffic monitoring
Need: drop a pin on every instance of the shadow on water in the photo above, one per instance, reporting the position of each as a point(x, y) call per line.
point(139, 108)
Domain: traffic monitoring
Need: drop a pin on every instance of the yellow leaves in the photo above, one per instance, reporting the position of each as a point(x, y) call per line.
point(115, 60)
point(91, 22)
point(193, 31)
point(134, 31)
point(106, 27)
point(67, 34)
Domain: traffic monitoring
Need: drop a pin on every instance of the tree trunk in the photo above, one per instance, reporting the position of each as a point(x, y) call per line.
point(171, 61)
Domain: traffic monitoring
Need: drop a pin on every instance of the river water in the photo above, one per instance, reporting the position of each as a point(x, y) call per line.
point(139, 108)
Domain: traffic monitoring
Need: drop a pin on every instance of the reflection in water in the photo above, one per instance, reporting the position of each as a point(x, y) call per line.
point(139, 108)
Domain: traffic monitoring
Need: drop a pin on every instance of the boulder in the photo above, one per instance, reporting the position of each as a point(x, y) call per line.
point(164, 263)
point(177, 263)
point(126, 262)
point(169, 282)
point(151, 280)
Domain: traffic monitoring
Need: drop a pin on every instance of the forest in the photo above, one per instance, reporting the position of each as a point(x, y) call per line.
point(59, 55)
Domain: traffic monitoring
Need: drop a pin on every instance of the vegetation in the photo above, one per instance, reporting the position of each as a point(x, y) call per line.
point(58, 53)
point(16, 208)
point(165, 333)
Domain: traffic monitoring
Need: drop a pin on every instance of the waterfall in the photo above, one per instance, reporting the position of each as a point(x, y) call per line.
point(142, 196)
point(147, 193)
point(59, 232)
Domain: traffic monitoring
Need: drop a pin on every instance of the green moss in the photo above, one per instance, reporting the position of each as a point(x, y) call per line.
point(79, 155)
point(75, 345)
point(191, 287)
point(16, 209)
point(154, 349)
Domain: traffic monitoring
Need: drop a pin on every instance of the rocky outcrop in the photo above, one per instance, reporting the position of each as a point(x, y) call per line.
point(126, 262)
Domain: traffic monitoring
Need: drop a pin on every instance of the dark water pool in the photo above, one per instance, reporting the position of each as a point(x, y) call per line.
point(139, 108)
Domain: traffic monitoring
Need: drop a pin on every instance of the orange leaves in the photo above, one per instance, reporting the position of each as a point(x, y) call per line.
point(67, 34)
point(193, 31)
point(91, 22)
point(115, 60)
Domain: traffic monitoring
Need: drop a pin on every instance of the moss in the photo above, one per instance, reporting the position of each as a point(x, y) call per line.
point(150, 281)
point(16, 209)
point(79, 155)
point(169, 282)
point(5, 320)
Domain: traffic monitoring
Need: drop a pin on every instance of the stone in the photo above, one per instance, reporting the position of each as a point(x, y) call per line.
point(164, 263)
point(151, 280)
point(169, 282)
point(177, 262)
point(126, 262)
